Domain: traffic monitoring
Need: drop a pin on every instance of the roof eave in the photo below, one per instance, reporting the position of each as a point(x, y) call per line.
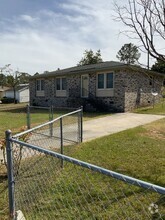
point(69, 71)
point(90, 70)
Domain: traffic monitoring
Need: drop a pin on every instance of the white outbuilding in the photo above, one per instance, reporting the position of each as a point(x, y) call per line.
point(22, 93)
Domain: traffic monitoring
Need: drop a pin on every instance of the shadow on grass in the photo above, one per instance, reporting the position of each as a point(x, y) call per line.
point(14, 110)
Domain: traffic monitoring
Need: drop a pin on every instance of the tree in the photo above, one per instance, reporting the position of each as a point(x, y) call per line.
point(3, 70)
point(159, 66)
point(13, 78)
point(23, 77)
point(90, 58)
point(145, 19)
point(2, 80)
point(128, 54)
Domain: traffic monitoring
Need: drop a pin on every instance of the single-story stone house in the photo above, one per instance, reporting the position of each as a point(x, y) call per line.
point(110, 86)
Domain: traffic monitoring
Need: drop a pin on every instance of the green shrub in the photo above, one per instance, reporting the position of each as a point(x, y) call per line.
point(6, 100)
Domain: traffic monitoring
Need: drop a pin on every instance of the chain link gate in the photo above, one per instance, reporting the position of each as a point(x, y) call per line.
point(62, 131)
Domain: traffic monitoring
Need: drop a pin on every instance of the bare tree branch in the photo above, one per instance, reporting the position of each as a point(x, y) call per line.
point(146, 19)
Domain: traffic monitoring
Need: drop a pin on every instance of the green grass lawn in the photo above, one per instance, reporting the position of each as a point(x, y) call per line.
point(158, 109)
point(14, 117)
point(137, 152)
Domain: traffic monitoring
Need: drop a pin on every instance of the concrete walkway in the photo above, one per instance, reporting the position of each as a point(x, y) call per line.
point(99, 127)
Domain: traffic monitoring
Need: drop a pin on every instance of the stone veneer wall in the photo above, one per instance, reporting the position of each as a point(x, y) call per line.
point(138, 90)
point(50, 98)
point(130, 91)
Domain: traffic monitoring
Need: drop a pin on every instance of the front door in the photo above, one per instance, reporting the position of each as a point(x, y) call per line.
point(84, 86)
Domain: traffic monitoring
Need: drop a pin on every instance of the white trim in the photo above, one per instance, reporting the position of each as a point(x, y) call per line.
point(61, 93)
point(40, 93)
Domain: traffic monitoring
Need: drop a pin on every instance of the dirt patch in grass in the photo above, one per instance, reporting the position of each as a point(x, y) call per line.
point(155, 130)
point(155, 134)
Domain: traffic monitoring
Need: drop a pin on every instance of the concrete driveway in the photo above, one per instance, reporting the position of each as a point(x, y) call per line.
point(114, 123)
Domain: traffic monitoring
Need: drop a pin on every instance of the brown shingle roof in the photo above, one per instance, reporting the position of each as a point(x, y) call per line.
point(91, 68)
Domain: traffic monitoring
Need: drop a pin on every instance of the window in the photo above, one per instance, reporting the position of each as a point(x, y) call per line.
point(109, 80)
point(100, 81)
point(105, 81)
point(58, 83)
point(40, 85)
point(61, 83)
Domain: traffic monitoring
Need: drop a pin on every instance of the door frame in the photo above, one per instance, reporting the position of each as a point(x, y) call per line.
point(86, 75)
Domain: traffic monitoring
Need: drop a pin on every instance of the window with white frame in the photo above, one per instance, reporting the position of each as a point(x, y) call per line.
point(40, 85)
point(105, 81)
point(61, 83)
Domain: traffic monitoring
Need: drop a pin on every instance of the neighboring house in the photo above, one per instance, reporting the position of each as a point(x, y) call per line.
point(22, 93)
point(2, 91)
point(110, 86)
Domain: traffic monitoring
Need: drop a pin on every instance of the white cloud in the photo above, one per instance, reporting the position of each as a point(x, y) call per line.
point(49, 39)
point(28, 18)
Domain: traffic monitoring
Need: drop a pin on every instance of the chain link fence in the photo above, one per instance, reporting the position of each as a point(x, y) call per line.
point(38, 114)
point(43, 189)
point(65, 130)
point(35, 112)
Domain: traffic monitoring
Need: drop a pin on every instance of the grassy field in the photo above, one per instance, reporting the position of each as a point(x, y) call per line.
point(72, 190)
point(137, 152)
point(158, 109)
point(14, 117)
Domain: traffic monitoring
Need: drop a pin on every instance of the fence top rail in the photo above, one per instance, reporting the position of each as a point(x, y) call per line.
point(125, 178)
point(40, 107)
point(45, 124)
point(65, 108)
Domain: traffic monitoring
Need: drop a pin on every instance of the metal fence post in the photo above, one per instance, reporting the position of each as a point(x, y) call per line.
point(52, 111)
point(50, 119)
point(81, 124)
point(61, 138)
point(28, 116)
point(10, 175)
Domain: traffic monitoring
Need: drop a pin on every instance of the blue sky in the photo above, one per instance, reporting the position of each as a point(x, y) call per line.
point(40, 35)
